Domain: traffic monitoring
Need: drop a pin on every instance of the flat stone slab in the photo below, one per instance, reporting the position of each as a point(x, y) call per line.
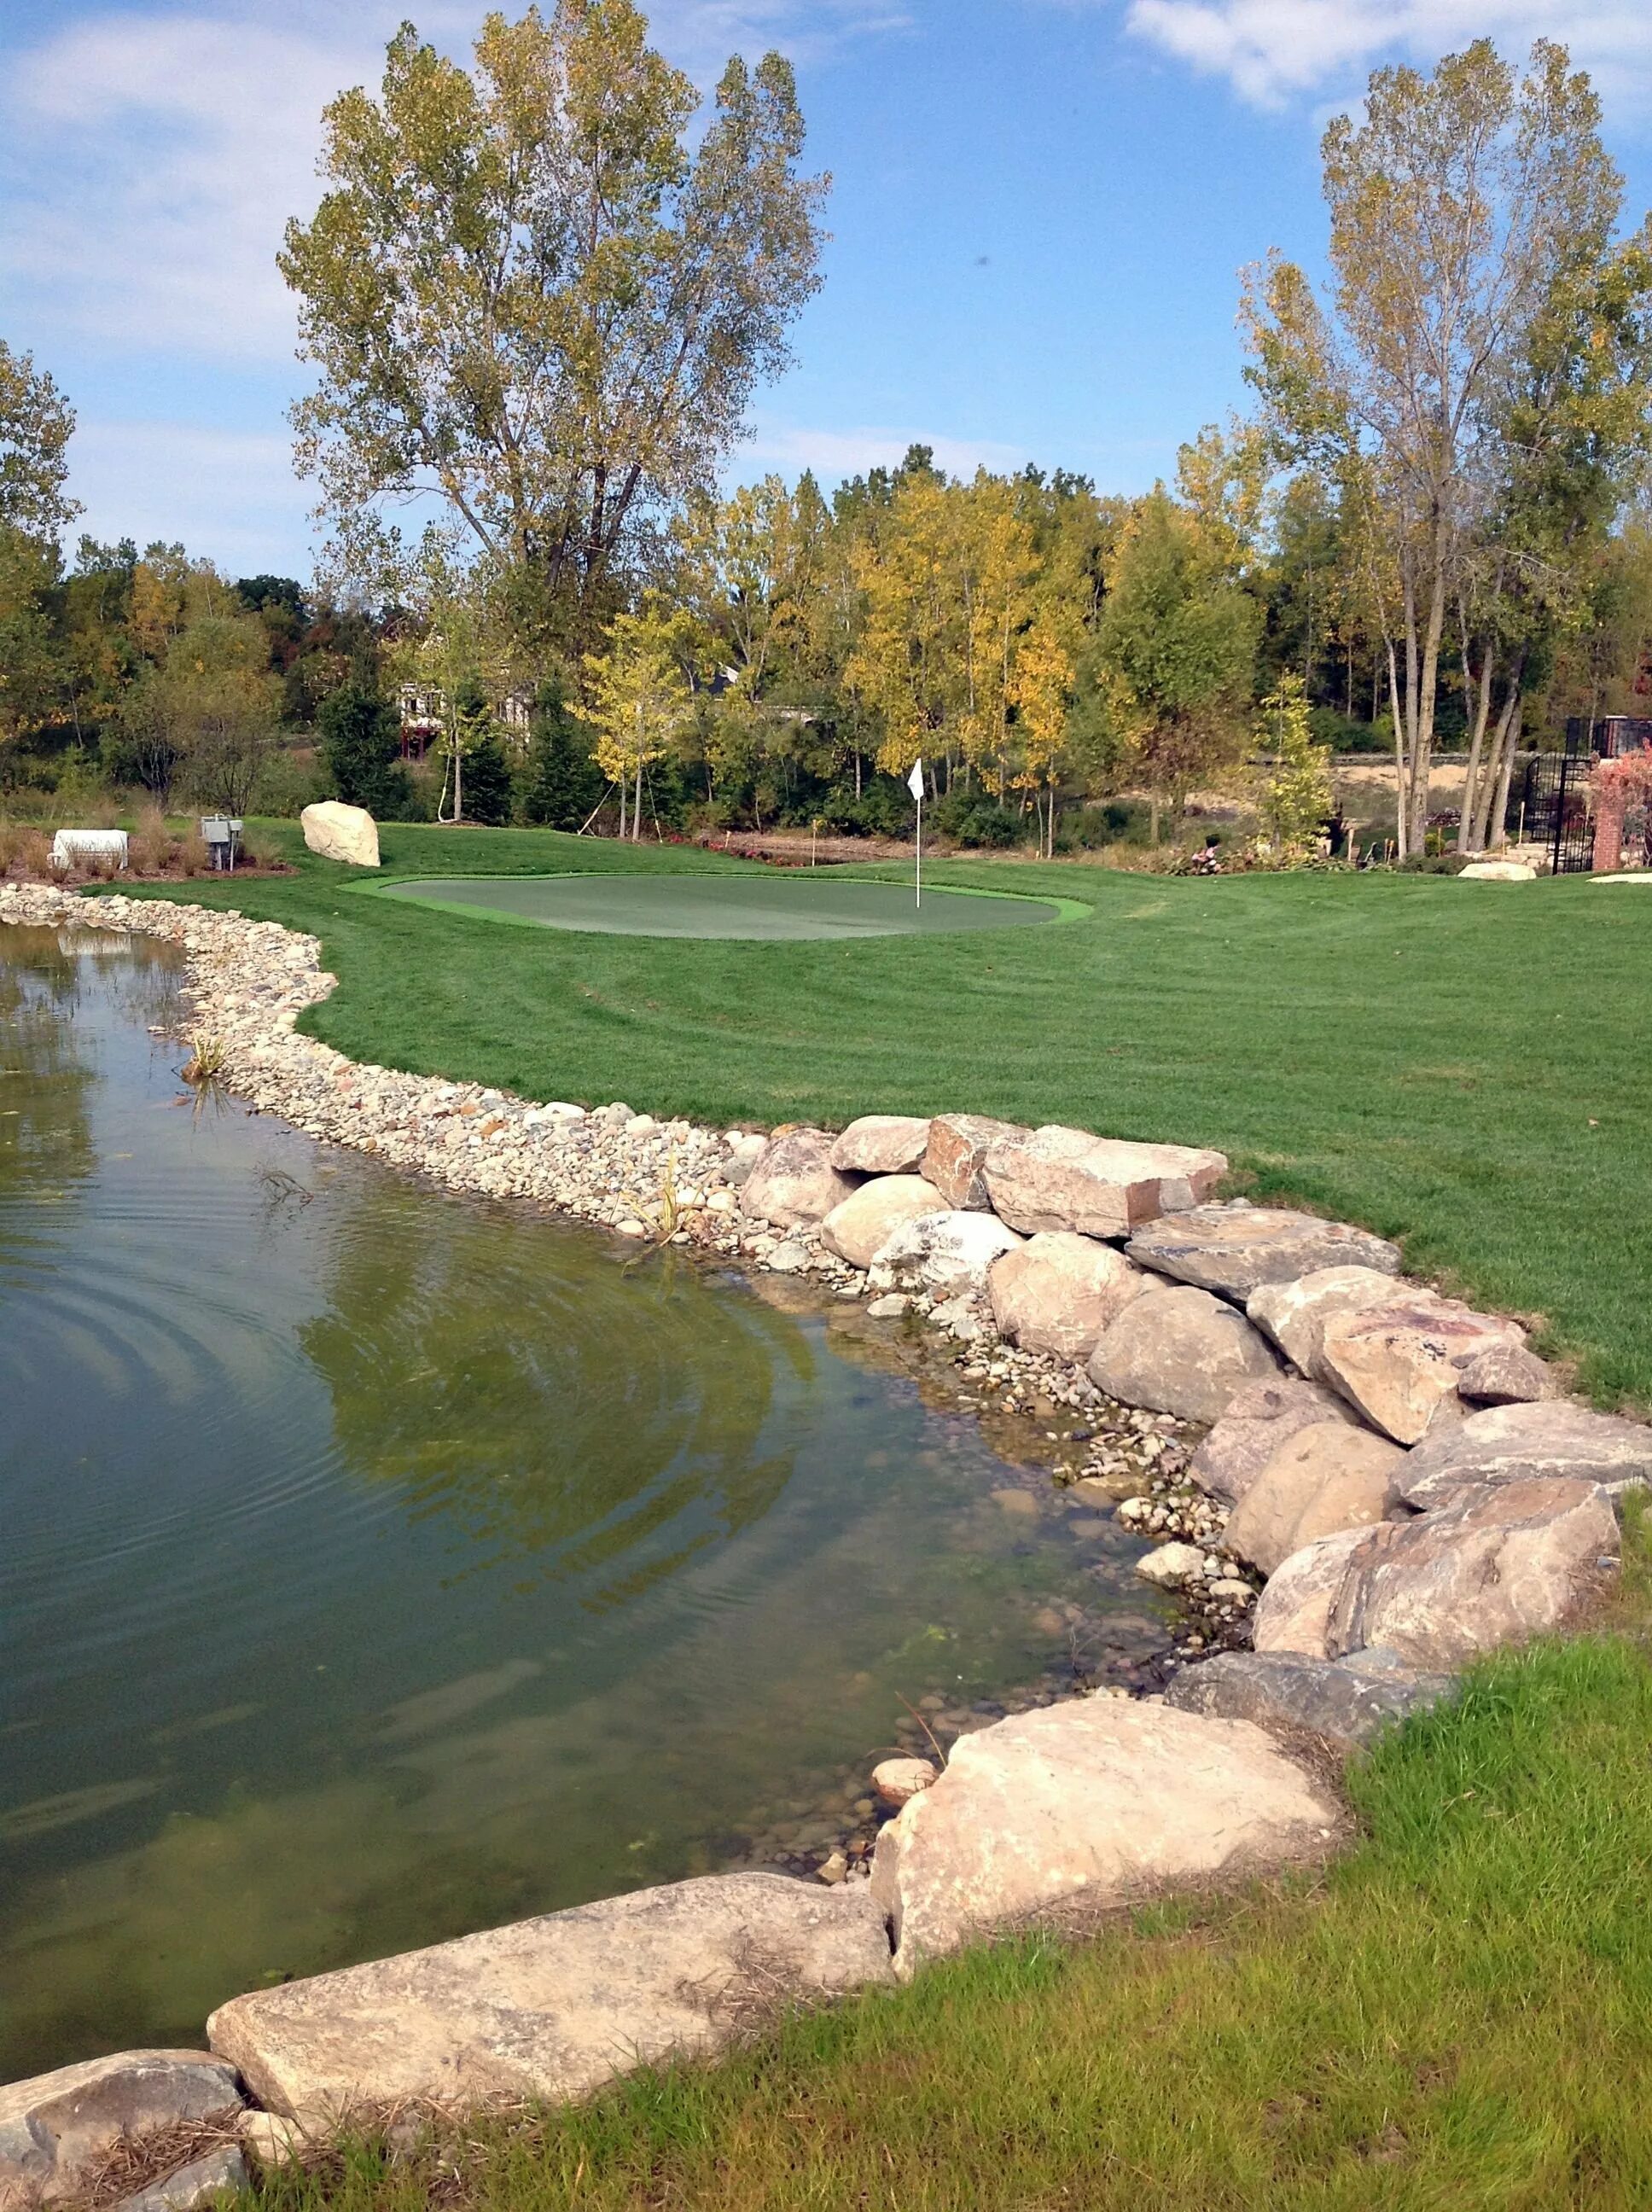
point(553, 2007)
point(1181, 1352)
point(1061, 1178)
point(1077, 1809)
point(1233, 1249)
point(56, 2126)
point(1514, 1443)
point(1349, 1706)
point(1262, 1416)
point(883, 1144)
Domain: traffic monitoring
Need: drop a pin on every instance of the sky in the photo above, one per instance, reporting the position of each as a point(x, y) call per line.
point(1038, 214)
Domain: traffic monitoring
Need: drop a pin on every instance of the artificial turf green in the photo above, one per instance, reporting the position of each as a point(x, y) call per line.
point(1462, 1066)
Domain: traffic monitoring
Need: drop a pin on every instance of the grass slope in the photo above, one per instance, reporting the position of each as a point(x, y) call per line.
point(1461, 1065)
point(1459, 2015)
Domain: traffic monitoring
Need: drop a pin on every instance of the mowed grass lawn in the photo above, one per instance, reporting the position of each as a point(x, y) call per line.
point(1464, 1066)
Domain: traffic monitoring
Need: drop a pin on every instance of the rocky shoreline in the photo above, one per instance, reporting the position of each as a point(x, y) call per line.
point(1365, 1483)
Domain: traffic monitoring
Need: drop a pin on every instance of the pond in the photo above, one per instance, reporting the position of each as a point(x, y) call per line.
point(380, 1565)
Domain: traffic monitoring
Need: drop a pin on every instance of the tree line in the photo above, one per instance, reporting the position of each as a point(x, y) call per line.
point(537, 296)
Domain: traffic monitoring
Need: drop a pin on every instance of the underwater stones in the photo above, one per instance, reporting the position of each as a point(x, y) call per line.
point(1061, 1178)
point(554, 2006)
point(897, 1780)
point(1070, 1810)
point(1181, 1352)
point(1233, 1249)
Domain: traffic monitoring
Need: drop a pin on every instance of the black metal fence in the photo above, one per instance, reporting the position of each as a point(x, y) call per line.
point(1554, 806)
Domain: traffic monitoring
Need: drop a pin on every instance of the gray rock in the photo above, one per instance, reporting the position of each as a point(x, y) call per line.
point(1293, 1614)
point(1513, 1444)
point(794, 1181)
point(1079, 1808)
point(1233, 1249)
point(1321, 1479)
point(1349, 1706)
point(1493, 1566)
point(1258, 1420)
point(554, 2006)
point(957, 1144)
point(1504, 1374)
point(1181, 1352)
point(55, 2126)
point(881, 1145)
point(1060, 1178)
point(192, 2185)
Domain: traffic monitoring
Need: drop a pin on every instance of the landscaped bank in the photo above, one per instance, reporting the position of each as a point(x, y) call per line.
point(1398, 1401)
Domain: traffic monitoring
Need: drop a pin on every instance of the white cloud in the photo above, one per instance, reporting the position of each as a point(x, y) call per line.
point(230, 495)
point(836, 453)
point(1273, 49)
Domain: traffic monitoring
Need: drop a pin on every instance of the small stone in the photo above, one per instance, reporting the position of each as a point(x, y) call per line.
point(788, 1259)
point(1172, 1565)
point(834, 1869)
point(193, 2186)
point(889, 1307)
point(272, 2140)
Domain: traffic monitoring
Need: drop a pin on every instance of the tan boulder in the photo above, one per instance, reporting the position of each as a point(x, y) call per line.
point(1294, 1313)
point(1293, 1614)
point(338, 832)
point(1504, 1374)
point(1261, 1418)
point(555, 2007)
point(1060, 1293)
point(958, 1143)
point(1489, 1567)
point(1060, 1178)
point(1497, 871)
point(1181, 1352)
point(1324, 1478)
point(860, 1225)
point(1235, 1248)
point(57, 2128)
point(1514, 1443)
point(881, 1145)
point(1397, 1362)
point(1083, 1807)
point(793, 1181)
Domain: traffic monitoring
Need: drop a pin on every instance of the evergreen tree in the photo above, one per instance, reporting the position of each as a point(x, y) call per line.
point(361, 737)
point(487, 792)
point(564, 783)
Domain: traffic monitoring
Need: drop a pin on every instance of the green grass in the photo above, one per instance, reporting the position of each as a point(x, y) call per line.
point(1462, 1066)
point(1459, 2014)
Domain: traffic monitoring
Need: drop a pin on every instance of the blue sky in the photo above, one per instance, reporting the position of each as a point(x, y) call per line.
point(1040, 210)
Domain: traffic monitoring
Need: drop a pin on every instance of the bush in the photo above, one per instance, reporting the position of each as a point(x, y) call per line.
point(884, 809)
point(286, 785)
point(360, 741)
point(975, 818)
point(1344, 735)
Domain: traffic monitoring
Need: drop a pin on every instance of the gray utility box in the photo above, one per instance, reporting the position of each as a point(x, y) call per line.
point(221, 835)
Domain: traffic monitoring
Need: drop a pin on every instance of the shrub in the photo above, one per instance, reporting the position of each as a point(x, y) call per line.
point(360, 741)
point(974, 818)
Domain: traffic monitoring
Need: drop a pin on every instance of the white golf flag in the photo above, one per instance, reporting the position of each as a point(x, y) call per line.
point(915, 786)
point(915, 781)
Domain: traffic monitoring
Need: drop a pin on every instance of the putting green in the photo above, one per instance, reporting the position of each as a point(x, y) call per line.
point(766, 908)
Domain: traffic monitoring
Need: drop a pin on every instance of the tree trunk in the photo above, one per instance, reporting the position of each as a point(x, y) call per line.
point(624, 782)
point(1498, 832)
point(1399, 754)
point(1491, 813)
point(1422, 758)
point(1467, 840)
point(636, 806)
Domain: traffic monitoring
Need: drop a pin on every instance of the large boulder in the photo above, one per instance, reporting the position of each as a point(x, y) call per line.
point(57, 2129)
point(1324, 1478)
point(958, 1144)
point(883, 1144)
point(1235, 1248)
point(1059, 1178)
point(1515, 1443)
point(1181, 1352)
point(1259, 1419)
point(1294, 1313)
point(553, 2007)
point(945, 1254)
point(793, 1181)
point(1081, 1807)
point(1397, 1362)
point(860, 1225)
point(1060, 1293)
point(338, 832)
point(1489, 1567)
point(1348, 1702)
point(1293, 1614)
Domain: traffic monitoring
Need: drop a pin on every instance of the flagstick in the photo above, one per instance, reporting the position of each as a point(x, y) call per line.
point(920, 853)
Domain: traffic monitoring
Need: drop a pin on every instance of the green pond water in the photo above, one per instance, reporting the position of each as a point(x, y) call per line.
point(378, 1566)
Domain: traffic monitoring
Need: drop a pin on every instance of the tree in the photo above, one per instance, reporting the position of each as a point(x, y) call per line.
point(208, 716)
point(36, 423)
point(1461, 205)
point(1297, 796)
point(564, 784)
point(360, 741)
point(524, 292)
point(1177, 645)
point(488, 794)
point(638, 701)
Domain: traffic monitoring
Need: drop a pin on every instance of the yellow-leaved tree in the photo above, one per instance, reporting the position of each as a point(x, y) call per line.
point(1297, 795)
point(640, 700)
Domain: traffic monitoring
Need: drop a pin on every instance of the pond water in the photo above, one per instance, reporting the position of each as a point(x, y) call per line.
point(379, 1566)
